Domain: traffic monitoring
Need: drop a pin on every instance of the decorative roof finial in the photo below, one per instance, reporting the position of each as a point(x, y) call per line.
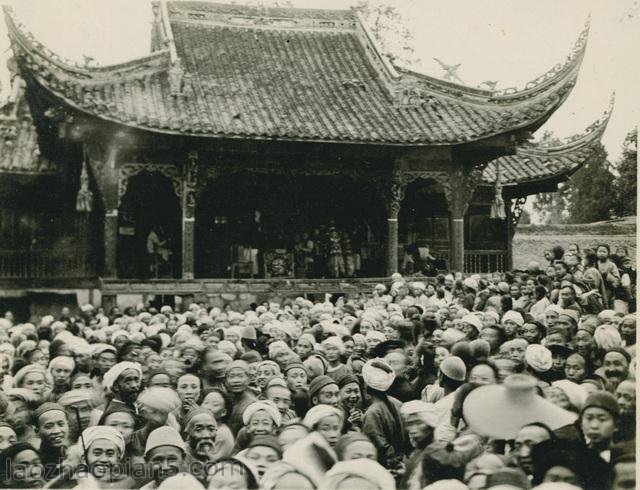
point(451, 71)
point(176, 73)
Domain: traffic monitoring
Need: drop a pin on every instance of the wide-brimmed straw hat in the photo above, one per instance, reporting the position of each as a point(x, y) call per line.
point(500, 411)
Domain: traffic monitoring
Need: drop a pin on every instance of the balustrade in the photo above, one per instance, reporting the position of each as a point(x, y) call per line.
point(46, 264)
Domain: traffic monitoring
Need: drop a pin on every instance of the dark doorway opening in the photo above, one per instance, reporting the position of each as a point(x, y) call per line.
point(150, 205)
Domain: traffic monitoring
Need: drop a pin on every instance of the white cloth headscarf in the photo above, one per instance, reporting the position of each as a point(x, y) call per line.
point(92, 434)
point(115, 371)
point(378, 374)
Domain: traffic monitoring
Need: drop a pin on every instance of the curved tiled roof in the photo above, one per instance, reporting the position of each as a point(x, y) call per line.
point(19, 150)
point(539, 162)
point(290, 74)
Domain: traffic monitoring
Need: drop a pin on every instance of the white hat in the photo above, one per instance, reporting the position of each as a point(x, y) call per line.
point(164, 436)
point(265, 405)
point(453, 367)
point(538, 358)
point(500, 411)
point(318, 412)
point(92, 434)
point(513, 316)
point(576, 393)
point(470, 283)
point(473, 320)
point(334, 341)
point(181, 480)
point(368, 470)
point(378, 374)
point(115, 371)
point(425, 410)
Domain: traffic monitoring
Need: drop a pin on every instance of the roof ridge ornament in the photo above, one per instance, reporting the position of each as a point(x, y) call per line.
point(591, 133)
point(176, 72)
point(576, 54)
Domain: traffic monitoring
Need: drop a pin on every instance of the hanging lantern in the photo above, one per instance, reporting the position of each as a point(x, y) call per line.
point(497, 207)
point(84, 199)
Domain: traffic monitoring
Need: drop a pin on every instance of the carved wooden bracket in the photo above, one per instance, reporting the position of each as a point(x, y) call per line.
point(128, 170)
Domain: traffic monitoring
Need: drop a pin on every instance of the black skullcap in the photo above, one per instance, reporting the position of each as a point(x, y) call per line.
point(268, 441)
point(346, 379)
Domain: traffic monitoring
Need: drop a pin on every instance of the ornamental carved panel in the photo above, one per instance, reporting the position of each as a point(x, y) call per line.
point(128, 170)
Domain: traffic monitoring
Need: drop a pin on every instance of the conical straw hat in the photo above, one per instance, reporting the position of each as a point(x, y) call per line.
point(500, 411)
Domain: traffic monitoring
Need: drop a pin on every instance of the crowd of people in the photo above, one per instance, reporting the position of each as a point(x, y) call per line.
point(496, 381)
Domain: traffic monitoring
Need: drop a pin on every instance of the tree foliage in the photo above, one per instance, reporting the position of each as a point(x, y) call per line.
point(591, 190)
point(627, 181)
point(551, 207)
point(588, 195)
point(387, 24)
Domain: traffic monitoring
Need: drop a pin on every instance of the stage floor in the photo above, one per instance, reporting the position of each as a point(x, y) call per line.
point(183, 287)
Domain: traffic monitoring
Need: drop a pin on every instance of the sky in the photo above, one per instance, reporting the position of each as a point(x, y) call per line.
point(508, 41)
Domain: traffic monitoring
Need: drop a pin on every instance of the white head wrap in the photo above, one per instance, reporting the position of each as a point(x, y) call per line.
point(470, 283)
point(28, 369)
point(265, 405)
point(164, 436)
point(514, 316)
point(607, 337)
point(159, 398)
point(228, 347)
point(181, 480)
point(538, 358)
point(98, 349)
point(368, 470)
point(276, 347)
point(472, 319)
point(119, 333)
point(318, 412)
point(374, 334)
point(74, 396)
point(336, 342)
point(378, 374)
point(425, 410)
point(63, 362)
point(574, 392)
point(92, 434)
point(115, 371)
point(452, 335)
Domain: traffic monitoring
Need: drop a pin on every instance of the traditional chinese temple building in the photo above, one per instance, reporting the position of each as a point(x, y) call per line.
point(245, 128)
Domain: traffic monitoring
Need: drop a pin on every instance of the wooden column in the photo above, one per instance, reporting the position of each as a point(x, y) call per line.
point(110, 244)
point(189, 184)
point(103, 163)
point(509, 236)
point(456, 244)
point(394, 197)
point(459, 193)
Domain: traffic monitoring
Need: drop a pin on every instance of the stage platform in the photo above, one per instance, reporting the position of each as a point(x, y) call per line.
point(237, 292)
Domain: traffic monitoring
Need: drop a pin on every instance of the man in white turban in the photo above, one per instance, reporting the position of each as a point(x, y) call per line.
point(124, 381)
point(60, 369)
point(382, 421)
point(78, 404)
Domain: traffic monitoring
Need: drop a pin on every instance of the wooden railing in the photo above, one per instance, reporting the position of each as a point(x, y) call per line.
point(46, 264)
point(478, 261)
